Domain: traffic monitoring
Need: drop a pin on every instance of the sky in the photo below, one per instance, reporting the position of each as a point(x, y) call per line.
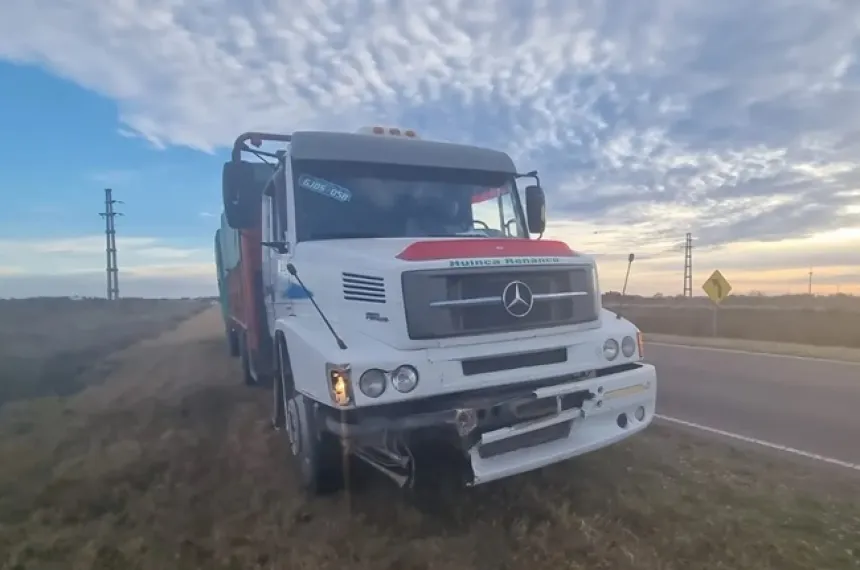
point(736, 121)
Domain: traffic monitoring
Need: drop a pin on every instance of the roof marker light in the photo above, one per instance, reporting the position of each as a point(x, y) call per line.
point(388, 131)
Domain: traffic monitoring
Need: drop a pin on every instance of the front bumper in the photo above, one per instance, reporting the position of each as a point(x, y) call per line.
point(512, 429)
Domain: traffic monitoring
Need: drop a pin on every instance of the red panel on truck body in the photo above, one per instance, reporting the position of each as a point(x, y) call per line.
point(484, 247)
point(244, 283)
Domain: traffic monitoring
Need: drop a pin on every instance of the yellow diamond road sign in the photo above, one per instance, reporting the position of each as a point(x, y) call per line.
point(717, 287)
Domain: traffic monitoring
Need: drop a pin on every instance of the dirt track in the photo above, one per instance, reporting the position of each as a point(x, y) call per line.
point(170, 463)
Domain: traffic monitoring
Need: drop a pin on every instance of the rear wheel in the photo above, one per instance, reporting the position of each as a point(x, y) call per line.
point(245, 359)
point(233, 341)
point(317, 454)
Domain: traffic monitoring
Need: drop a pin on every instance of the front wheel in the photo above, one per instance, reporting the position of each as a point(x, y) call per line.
point(245, 359)
point(317, 454)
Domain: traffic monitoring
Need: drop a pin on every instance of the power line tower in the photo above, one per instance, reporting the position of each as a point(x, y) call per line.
point(688, 266)
point(110, 245)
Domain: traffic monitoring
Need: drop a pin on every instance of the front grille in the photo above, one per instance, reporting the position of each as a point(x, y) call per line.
point(494, 316)
point(440, 303)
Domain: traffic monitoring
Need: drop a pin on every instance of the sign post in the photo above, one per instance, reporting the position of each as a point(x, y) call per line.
point(717, 288)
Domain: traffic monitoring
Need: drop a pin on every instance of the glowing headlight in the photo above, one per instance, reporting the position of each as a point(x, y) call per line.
point(339, 389)
point(610, 349)
point(628, 346)
point(404, 379)
point(372, 383)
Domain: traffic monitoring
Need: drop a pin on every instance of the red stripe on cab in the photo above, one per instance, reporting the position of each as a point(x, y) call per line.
point(481, 247)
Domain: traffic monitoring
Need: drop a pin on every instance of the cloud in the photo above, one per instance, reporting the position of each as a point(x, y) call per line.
point(769, 267)
point(834, 249)
point(66, 260)
point(736, 121)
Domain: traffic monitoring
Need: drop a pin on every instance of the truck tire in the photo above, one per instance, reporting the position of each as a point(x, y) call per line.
point(233, 341)
point(317, 454)
point(245, 359)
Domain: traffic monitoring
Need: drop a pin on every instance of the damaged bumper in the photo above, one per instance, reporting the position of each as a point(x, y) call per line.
point(514, 429)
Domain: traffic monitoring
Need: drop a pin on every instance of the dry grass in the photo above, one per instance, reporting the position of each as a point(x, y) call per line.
point(811, 326)
point(48, 345)
point(838, 303)
point(769, 347)
point(181, 471)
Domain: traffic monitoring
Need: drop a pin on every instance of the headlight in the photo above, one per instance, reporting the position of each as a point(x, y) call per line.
point(372, 383)
point(610, 349)
point(628, 346)
point(404, 379)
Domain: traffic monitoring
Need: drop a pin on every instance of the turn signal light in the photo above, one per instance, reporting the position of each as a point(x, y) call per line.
point(339, 388)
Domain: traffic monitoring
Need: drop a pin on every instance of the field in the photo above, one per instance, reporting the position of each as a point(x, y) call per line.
point(48, 345)
point(163, 460)
point(820, 321)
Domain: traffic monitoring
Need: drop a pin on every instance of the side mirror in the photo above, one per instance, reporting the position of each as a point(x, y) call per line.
point(536, 209)
point(240, 194)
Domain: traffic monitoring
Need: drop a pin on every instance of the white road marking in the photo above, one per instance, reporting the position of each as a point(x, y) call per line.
point(776, 446)
point(753, 353)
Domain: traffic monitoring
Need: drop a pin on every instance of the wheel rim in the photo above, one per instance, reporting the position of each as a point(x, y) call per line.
point(293, 426)
point(295, 423)
point(279, 410)
point(292, 422)
point(277, 414)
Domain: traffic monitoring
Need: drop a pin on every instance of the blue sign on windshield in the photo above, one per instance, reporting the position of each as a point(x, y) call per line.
point(325, 188)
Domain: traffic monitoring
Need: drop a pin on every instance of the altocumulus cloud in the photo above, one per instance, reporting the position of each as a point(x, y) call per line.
point(735, 120)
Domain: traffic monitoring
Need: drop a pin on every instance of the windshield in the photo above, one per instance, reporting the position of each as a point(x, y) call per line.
point(337, 200)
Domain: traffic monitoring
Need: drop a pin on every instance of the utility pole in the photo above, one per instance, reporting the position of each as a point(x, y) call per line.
point(110, 245)
point(688, 266)
point(810, 282)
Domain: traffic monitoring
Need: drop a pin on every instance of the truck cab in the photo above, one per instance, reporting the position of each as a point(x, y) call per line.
point(408, 296)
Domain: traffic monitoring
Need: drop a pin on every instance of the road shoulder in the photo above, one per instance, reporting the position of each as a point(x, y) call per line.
point(760, 346)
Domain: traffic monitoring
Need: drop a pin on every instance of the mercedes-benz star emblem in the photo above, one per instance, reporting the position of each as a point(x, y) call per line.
point(517, 299)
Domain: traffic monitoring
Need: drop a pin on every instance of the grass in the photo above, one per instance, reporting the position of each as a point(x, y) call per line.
point(809, 326)
point(169, 463)
point(769, 347)
point(48, 345)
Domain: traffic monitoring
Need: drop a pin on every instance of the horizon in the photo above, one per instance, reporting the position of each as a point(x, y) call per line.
point(613, 293)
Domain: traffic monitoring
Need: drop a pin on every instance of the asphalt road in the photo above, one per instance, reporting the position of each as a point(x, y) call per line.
point(806, 404)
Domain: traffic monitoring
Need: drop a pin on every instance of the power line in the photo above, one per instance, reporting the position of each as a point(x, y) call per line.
point(688, 265)
point(111, 267)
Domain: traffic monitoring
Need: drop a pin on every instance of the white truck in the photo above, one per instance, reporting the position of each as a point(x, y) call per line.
point(406, 299)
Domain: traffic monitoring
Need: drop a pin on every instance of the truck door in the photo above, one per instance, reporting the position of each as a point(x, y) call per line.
point(274, 226)
point(268, 264)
